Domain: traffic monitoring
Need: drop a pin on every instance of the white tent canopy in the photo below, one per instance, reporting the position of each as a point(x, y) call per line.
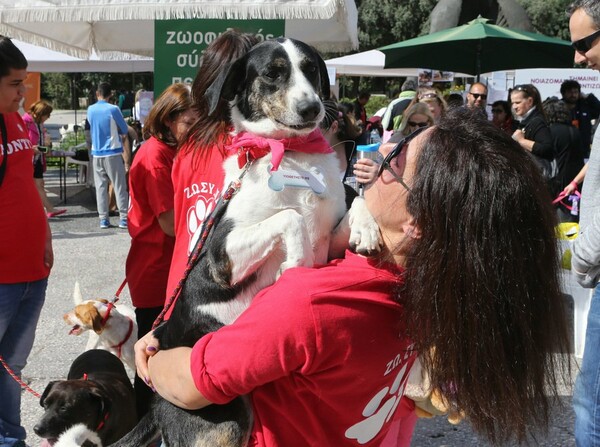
point(370, 63)
point(44, 60)
point(81, 27)
point(367, 63)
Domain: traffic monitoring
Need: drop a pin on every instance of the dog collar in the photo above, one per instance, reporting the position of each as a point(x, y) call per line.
point(102, 422)
point(249, 147)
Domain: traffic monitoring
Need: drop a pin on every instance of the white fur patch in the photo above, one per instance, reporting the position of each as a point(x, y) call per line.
point(77, 435)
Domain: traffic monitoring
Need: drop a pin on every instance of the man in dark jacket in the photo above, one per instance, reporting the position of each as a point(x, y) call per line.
point(584, 109)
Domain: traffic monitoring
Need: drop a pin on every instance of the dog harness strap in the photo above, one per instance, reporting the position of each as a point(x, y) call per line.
point(119, 346)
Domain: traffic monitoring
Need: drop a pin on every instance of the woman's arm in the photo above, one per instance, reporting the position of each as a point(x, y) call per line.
point(171, 377)
point(571, 187)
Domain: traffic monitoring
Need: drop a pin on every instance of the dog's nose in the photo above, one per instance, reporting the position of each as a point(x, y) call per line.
point(309, 110)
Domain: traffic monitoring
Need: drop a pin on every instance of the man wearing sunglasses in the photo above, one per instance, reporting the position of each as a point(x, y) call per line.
point(584, 25)
point(477, 96)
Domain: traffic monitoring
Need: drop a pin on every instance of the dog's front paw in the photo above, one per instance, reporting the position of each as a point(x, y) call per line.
point(365, 238)
point(299, 251)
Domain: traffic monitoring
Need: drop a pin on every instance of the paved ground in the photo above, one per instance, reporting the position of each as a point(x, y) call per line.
point(95, 258)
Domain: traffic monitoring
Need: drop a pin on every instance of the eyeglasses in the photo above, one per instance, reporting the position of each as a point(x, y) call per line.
point(497, 111)
point(584, 45)
point(478, 95)
point(385, 164)
point(413, 124)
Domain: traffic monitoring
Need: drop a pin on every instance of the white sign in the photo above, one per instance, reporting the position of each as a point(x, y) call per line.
point(548, 81)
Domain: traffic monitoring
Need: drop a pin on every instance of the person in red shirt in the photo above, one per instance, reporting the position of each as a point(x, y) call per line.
point(198, 174)
point(25, 243)
point(150, 215)
point(324, 353)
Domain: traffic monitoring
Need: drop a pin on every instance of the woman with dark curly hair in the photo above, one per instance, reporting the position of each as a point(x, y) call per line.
point(568, 147)
point(468, 266)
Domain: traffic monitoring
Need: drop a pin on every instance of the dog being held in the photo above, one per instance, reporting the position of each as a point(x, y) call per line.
point(283, 216)
point(97, 394)
point(111, 327)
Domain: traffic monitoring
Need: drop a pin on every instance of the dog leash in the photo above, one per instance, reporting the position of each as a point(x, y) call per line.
point(207, 226)
point(111, 304)
point(17, 378)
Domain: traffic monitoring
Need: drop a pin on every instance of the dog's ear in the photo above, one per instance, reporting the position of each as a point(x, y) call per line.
point(325, 89)
point(96, 320)
point(47, 391)
point(227, 85)
point(98, 396)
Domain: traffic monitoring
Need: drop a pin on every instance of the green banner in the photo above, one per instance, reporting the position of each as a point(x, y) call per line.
point(179, 44)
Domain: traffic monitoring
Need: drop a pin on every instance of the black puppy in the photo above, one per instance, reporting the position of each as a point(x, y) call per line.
point(97, 393)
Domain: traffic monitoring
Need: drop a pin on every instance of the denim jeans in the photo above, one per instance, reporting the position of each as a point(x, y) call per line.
point(20, 307)
point(586, 396)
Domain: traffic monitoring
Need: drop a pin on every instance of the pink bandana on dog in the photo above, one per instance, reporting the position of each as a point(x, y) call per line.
point(250, 147)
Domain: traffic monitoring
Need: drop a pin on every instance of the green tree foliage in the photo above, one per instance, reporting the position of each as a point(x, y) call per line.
point(61, 88)
point(382, 22)
point(55, 88)
point(548, 16)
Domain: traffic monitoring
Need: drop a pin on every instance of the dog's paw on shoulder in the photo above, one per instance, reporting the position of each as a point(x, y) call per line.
point(365, 238)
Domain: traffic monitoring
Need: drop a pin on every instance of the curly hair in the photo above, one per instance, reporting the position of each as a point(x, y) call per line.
point(556, 111)
point(482, 281)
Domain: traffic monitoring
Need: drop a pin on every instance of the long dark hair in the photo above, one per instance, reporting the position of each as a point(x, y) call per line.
point(482, 284)
point(213, 129)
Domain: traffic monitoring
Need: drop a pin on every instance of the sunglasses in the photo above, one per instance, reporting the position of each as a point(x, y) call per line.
point(428, 96)
point(584, 45)
point(413, 124)
point(385, 164)
point(497, 111)
point(478, 95)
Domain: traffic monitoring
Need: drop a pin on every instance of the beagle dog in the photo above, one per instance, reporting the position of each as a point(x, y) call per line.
point(111, 327)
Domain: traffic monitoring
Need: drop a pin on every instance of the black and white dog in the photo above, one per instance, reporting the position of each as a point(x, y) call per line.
point(97, 394)
point(283, 216)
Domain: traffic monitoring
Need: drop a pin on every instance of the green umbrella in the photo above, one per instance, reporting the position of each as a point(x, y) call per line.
point(479, 47)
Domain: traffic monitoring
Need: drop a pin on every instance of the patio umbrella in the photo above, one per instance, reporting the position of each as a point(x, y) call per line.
point(479, 47)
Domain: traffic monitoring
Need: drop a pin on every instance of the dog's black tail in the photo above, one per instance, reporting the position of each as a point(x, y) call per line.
point(144, 433)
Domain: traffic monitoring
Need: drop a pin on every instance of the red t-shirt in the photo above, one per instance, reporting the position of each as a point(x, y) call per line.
point(23, 227)
point(322, 353)
point(197, 184)
point(151, 193)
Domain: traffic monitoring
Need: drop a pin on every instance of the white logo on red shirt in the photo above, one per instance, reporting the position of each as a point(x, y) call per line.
point(380, 409)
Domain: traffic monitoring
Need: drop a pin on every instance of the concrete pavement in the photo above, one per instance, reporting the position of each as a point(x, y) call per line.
point(96, 258)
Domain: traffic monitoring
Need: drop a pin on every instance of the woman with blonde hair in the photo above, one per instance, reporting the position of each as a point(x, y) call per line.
point(416, 116)
point(34, 119)
point(435, 101)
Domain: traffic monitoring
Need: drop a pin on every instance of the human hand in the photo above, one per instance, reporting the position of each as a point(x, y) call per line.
point(145, 348)
point(570, 188)
point(518, 135)
point(48, 251)
point(365, 170)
